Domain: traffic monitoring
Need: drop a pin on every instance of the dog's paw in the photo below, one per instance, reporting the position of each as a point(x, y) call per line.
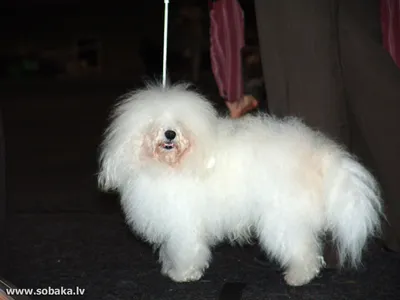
point(301, 274)
point(298, 278)
point(165, 269)
point(191, 274)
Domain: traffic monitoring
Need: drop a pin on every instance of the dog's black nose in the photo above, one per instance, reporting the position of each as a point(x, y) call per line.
point(170, 134)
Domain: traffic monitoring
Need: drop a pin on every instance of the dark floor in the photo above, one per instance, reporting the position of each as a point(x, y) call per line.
point(65, 233)
point(99, 254)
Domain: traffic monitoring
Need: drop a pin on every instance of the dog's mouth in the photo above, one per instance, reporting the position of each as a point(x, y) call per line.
point(168, 145)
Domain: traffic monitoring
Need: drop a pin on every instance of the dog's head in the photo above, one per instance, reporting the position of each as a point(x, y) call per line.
point(158, 130)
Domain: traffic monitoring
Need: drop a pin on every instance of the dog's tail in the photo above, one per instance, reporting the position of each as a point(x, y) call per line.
point(354, 208)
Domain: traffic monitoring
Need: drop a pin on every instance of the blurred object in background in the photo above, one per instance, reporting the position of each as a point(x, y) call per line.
point(253, 79)
point(227, 41)
point(190, 22)
point(390, 22)
point(235, 57)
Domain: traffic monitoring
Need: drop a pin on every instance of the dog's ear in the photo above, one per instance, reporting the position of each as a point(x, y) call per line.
point(113, 161)
point(119, 157)
point(107, 176)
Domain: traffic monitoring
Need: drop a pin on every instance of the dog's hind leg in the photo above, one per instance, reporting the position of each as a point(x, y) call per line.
point(296, 247)
point(304, 264)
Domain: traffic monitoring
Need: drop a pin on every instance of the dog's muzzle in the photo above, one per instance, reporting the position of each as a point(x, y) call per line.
point(169, 143)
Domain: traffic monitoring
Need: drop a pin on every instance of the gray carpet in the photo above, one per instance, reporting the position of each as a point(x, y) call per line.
point(98, 253)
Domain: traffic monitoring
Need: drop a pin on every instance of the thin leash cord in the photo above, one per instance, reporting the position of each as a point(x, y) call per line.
point(164, 72)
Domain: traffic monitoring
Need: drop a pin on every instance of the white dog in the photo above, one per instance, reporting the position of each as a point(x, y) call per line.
point(189, 179)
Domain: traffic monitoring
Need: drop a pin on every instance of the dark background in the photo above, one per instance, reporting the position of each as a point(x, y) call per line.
point(63, 64)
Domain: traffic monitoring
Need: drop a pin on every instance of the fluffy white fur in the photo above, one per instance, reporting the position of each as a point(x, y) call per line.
point(276, 180)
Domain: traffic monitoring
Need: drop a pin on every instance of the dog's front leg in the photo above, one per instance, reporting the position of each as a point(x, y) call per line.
point(184, 257)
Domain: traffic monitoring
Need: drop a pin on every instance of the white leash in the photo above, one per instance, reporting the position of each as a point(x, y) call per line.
point(164, 75)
